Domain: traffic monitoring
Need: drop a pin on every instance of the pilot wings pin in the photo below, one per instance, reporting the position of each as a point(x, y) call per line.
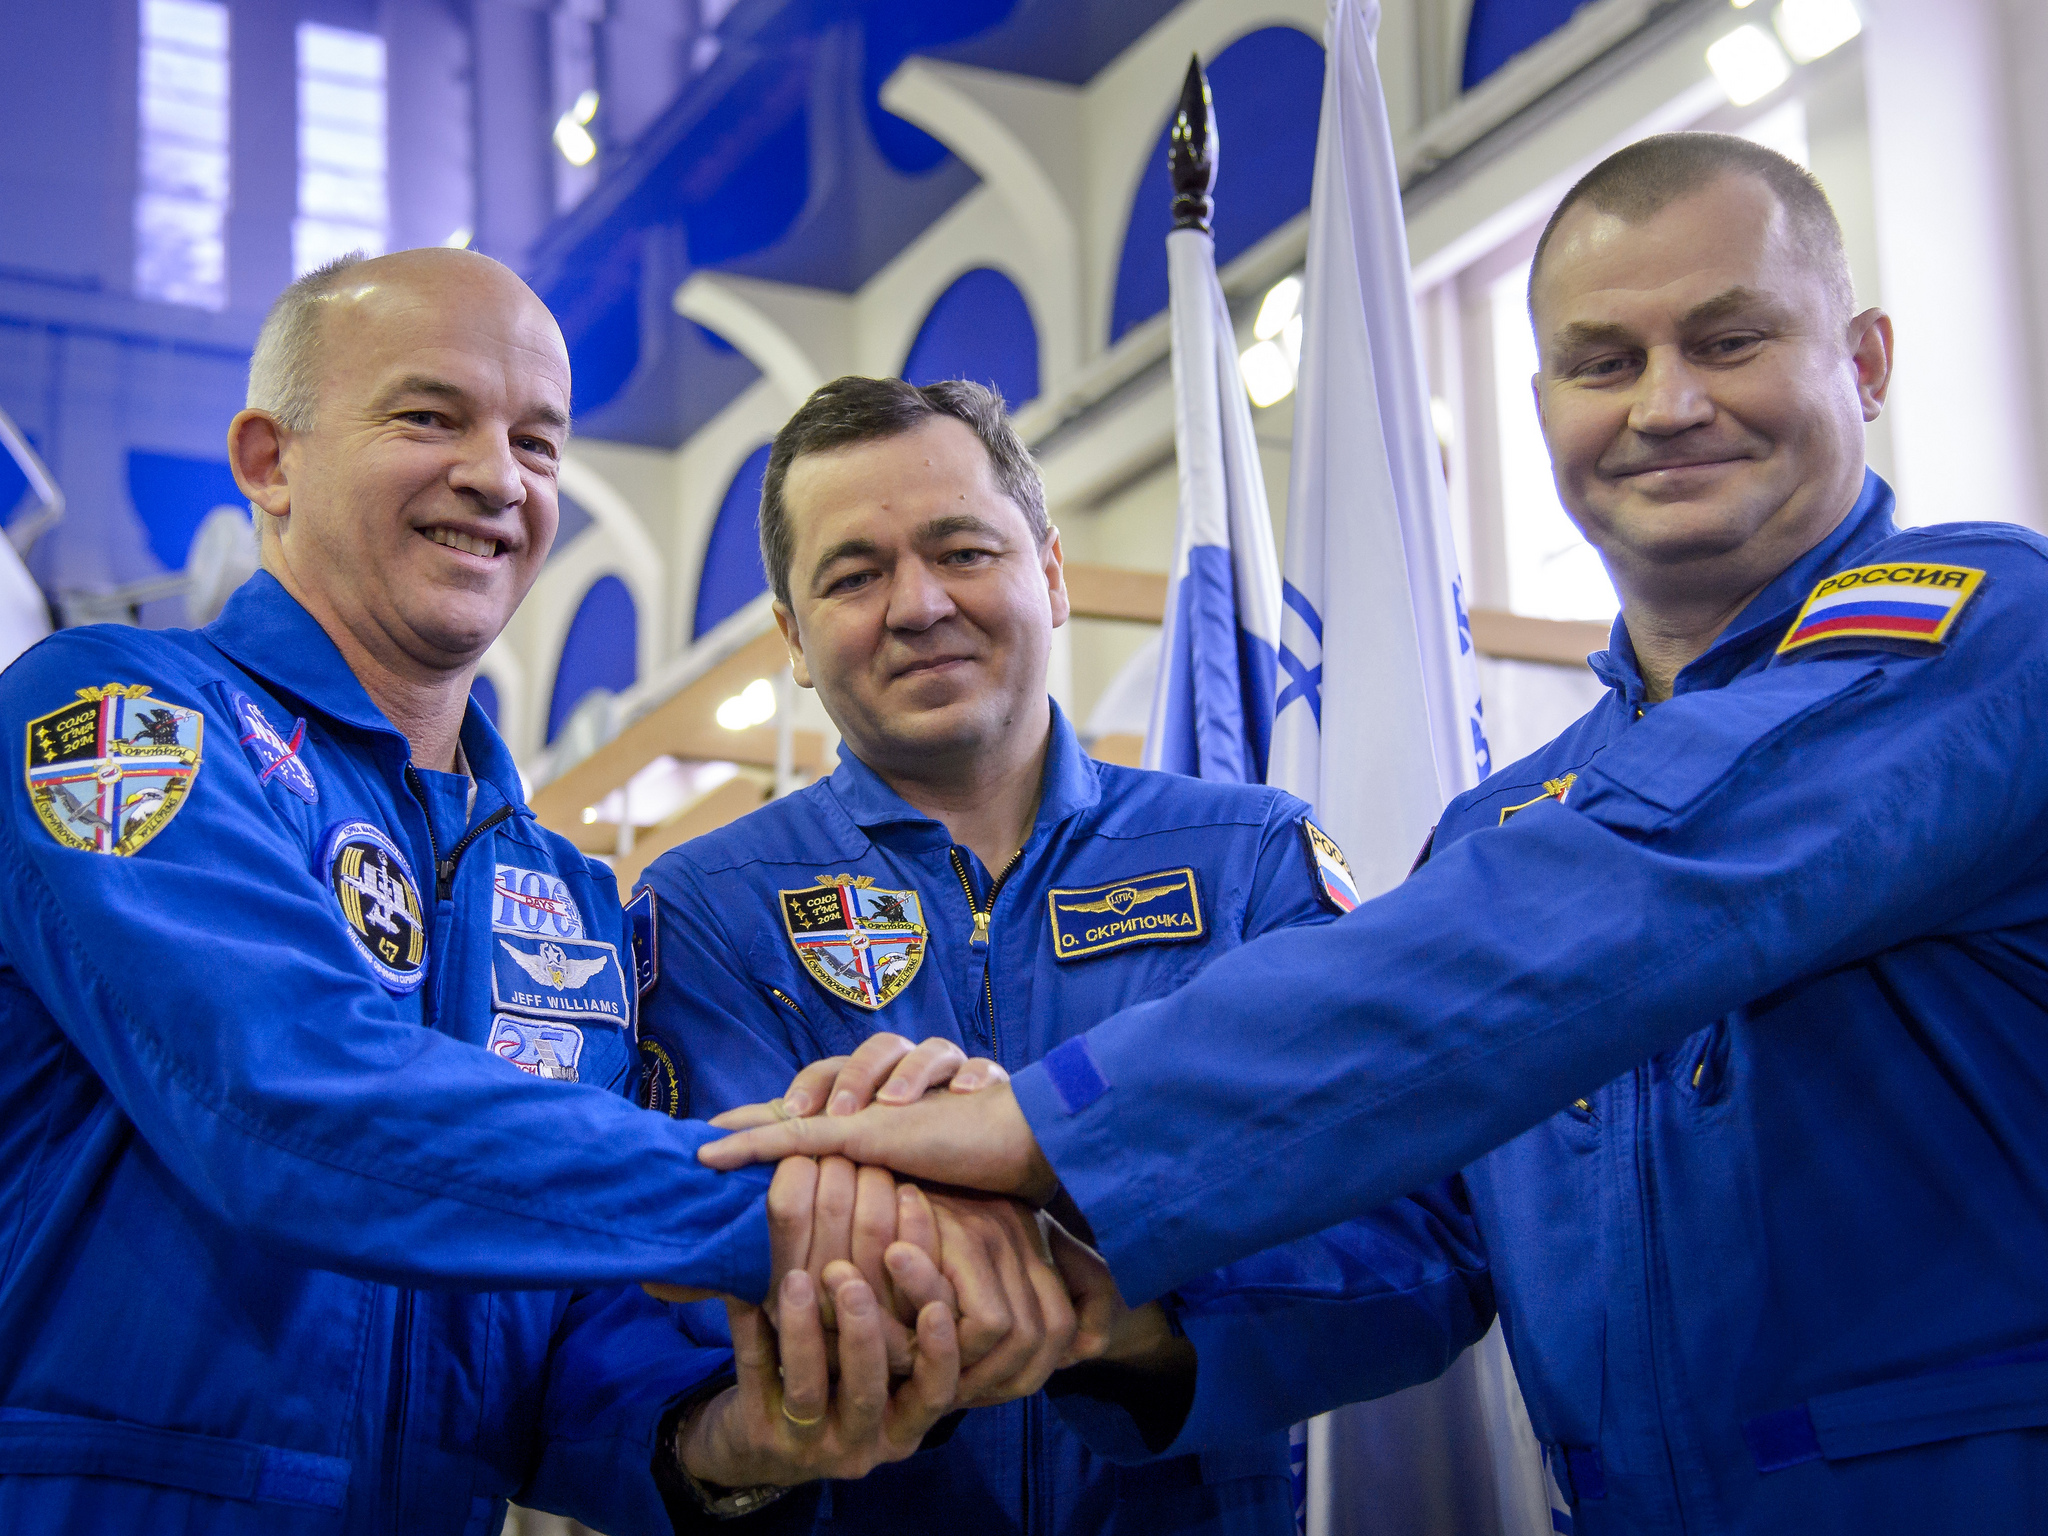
point(859, 941)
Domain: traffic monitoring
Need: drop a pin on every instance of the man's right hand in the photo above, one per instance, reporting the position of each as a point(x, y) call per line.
point(977, 1140)
point(784, 1421)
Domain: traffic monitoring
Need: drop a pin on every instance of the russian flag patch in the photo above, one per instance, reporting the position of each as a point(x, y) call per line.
point(1902, 606)
point(1327, 869)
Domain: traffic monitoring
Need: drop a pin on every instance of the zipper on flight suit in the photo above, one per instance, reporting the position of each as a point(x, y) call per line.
point(444, 869)
point(979, 939)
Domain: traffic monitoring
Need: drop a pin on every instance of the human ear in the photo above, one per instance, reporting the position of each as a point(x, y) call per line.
point(1051, 559)
point(256, 444)
point(1870, 347)
point(793, 640)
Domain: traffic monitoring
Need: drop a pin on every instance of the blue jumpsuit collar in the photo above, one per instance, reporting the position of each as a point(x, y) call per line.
point(1868, 524)
point(1069, 784)
point(268, 632)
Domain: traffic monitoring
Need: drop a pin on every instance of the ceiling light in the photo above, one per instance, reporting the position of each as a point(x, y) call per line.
point(1748, 64)
point(574, 140)
point(752, 705)
point(585, 108)
point(1268, 376)
point(1282, 303)
point(589, 814)
point(1810, 28)
point(459, 238)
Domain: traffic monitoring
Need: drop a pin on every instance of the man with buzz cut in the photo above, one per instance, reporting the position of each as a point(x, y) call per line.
point(1731, 1002)
point(322, 1190)
point(968, 879)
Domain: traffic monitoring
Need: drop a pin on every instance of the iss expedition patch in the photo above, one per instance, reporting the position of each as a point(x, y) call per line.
point(1903, 607)
point(858, 941)
point(107, 771)
point(1146, 909)
point(545, 1048)
point(373, 885)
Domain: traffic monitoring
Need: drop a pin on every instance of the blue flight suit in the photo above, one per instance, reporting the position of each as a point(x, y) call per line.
point(1129, 884)
point(1737, 1007)
point(283, 1248)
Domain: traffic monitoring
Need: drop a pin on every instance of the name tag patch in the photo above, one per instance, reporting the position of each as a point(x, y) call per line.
point(109, 770)
point(1327, 869)
point(534, 901)
point(1893, 607)
point(1146, 909)
point(545, 1050)
point(558, 979)
point(859, 941)
point(373, 886)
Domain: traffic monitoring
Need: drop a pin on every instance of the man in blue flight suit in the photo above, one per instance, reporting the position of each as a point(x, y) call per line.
point(969, 878)
point(322, 1189)
point(1734, 997)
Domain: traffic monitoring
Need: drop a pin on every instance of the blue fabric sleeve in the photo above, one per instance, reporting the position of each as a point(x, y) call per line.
point(619, 1360)
point(212, 987)
point(1360, 1310)
point(1731, 843)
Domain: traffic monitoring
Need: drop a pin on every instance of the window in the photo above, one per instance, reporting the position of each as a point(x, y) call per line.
point(1553, 573)
point(342, 203)
point(182, 198)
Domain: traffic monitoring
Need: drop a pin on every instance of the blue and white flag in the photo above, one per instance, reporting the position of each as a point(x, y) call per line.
point(1377, 724)
point(1212, 709)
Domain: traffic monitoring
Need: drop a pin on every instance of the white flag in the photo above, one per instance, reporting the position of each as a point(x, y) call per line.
point(1377, 724)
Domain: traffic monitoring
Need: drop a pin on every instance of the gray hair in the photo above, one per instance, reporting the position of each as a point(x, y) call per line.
point(284, 376)
point(854, 410)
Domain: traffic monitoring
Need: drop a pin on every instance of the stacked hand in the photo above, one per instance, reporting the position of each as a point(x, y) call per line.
point(891, 1305)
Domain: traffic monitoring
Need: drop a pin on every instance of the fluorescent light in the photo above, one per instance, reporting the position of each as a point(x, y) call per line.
point(459, 238)
point(1268, 376)
point(1282, 303)
point(585, 108)
point(1810, 28)
point(589, 814)
point(752, 705)
point(1748, 64)
point(1742, 5)
point(574, 140)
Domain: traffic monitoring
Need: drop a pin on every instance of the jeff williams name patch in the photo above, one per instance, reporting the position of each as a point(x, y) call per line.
point(1146, 909)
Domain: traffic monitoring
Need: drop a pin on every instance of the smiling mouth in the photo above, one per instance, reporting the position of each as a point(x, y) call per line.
point(920, 668)
point(486, 548)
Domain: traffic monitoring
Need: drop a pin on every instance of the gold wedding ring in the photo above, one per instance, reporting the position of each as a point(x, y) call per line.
point(800, 1423)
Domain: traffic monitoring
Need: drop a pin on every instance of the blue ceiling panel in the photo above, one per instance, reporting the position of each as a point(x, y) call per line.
point(600, 651)
point(980, 328)
point(172, 495)
point(1500, 29)
point(732, 576)
point(1268, 90)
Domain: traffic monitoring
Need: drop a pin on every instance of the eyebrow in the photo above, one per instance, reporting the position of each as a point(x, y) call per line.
point(440, 389)
point(1590, 333)
point(926, 533)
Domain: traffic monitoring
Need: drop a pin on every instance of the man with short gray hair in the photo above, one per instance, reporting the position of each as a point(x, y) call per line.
point(323, 1191)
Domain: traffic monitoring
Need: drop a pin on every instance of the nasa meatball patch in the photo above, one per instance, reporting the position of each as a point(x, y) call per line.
point(107, 771)
point(373, 886)
point(277, 758)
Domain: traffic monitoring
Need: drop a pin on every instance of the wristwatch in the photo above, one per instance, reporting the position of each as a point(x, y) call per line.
point(718, 1502)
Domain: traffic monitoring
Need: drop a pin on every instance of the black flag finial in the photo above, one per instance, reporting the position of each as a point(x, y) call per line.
point(1191, 156)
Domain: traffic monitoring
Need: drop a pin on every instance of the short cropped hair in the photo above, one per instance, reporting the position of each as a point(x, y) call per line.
point(284, 373)
point(1639, 182)
point(854, 410)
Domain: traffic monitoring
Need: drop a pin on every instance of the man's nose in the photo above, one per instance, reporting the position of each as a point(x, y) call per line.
point(918, 597)
point(488, 471)
point(1670, 397)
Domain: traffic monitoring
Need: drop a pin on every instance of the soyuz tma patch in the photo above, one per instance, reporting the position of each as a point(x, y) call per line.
point(277, 760)
point(1901, 607)
point(109, 770)
point(1147, 909)
point(1326, 868)
point(859, 941)
point(373, 885)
